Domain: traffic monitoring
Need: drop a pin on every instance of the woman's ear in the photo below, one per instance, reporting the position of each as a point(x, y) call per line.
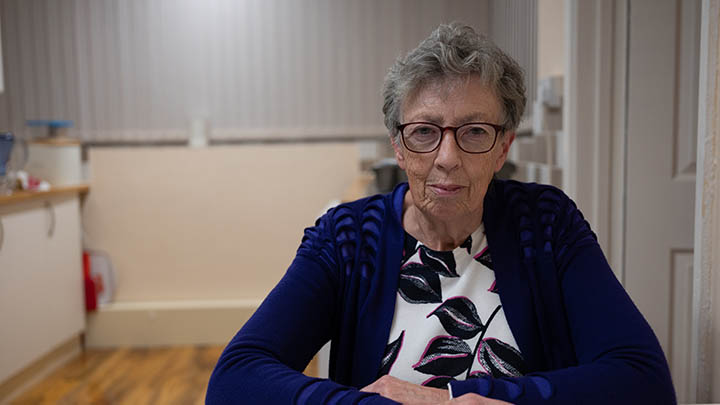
point(505, 141)
point(398, 151)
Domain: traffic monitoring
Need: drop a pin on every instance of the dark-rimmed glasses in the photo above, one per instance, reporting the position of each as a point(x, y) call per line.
point(473, 137)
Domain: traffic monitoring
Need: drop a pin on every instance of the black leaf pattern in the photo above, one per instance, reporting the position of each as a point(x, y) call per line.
point(477, 374)
point(410, 246)
point(484, 258)
point(391, 353)
point(459, 317)
point(441, 262)
point(467, 244)
point(499, 359)
point(445, 355)
point(419, 284)
point(438, 381)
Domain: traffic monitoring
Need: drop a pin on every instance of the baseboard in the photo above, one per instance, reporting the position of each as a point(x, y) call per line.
point(39, 369)
point(167, 323)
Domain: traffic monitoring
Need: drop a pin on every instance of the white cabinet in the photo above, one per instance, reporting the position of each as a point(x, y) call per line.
point(41, 283)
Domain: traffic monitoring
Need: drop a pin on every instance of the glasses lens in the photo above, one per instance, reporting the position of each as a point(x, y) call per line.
point(421, 137)
point(476, 138)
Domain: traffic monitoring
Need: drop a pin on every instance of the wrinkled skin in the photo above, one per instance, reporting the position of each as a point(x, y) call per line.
point(447, 186)
point(412, 394)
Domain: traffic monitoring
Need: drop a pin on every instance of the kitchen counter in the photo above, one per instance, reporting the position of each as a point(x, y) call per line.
point(41, 281)
point(22, 196)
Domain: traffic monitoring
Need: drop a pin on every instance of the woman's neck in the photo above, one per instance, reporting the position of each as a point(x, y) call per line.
point(438, 233)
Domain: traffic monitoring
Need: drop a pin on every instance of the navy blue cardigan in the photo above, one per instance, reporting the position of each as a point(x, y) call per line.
point(581, 336)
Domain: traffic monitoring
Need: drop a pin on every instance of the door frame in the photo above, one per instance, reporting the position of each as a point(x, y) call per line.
point(594, 119)
point(705, 367)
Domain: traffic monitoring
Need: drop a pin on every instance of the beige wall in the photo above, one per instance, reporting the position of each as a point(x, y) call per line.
point(208, 224)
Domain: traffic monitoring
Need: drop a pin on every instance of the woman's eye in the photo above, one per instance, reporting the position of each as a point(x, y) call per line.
point(425, 133)
point(477, 131)
point(424, 130)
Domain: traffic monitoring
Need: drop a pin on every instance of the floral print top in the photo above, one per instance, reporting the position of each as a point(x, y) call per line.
point(448, 322)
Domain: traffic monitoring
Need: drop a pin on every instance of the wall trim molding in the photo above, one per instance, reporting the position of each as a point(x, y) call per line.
point(165, 323)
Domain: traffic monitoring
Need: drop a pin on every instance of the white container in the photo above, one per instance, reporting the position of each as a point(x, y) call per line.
point(56, 160)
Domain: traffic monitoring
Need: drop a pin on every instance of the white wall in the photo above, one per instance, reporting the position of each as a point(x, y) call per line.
point(514, 27)
point(256, 68)
point(551, 38)
point(2, 76)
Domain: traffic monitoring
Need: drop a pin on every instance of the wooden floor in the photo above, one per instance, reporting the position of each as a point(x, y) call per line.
point(174, 375)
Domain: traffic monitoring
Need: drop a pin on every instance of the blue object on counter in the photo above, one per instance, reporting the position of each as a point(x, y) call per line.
point(6, 143)
point(50, 123)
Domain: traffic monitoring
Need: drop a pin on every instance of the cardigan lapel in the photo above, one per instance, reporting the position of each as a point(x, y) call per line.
point(376, 315)
point(512, 282)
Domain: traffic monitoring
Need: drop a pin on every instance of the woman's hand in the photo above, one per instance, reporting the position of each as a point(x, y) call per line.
point(412, 394)
point(407, 393)
point(474, 399)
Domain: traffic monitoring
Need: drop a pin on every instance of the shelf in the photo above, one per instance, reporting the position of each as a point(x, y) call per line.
point(23, 196)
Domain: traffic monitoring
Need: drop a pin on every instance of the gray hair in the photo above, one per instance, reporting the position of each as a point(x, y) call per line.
point(455, 50)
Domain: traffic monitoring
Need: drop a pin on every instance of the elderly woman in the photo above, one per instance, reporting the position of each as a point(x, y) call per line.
point(455, 287)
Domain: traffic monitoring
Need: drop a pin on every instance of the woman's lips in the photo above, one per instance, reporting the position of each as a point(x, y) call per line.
point(446, 189)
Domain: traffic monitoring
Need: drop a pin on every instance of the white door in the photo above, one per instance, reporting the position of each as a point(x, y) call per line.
point(662, 64)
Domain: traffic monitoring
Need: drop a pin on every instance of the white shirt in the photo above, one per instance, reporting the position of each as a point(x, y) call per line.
point(446, 303)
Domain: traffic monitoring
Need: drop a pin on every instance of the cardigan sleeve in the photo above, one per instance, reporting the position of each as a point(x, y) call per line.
point(619, 360)
point(263, 363)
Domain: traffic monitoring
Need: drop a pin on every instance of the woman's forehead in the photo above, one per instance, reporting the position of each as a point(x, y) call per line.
point(467, 98)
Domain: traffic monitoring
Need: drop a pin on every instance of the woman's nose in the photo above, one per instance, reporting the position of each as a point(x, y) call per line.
point(448, 156)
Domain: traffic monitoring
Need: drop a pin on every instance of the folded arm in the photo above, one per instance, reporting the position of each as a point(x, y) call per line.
point(264, 361)
point(619, 358)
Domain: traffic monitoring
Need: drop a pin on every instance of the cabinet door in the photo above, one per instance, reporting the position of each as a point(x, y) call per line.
point(41, 293)
point(22, 286)
point(63, 268)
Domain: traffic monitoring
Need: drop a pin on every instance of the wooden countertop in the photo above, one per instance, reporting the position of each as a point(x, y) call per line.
point(57, 141)
point(21, 196)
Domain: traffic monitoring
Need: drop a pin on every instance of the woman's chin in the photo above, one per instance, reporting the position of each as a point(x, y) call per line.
point(446, 209)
